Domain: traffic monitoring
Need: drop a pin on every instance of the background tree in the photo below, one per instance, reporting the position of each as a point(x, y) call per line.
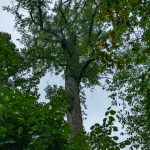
point(130, 78)
point(10, 66)
point(25, 123)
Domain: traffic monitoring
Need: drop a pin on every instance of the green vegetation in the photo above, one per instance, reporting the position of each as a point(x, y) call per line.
point(86, 40)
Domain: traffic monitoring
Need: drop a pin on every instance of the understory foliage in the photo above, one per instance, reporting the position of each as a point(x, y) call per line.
point(85, 39)
point(27, 124)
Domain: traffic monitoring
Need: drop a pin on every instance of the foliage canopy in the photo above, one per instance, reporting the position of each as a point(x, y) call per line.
point(87, 40)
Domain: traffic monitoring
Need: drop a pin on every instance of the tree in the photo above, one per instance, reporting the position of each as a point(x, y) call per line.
point(131, 85)
point(84, 39)
point(10, 66)
point(130, 80)
point(25, 123)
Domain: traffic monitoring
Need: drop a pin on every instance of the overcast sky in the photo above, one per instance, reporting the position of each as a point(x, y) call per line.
point(97, 101)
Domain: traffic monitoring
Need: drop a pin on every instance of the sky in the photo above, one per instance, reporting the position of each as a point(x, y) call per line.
point(97, 100)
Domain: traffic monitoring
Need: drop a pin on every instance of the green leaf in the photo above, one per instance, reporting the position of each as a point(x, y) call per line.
point(111, 118)
point(115, 129)
point(115, 138)
point(112, 112)
point(107, 112)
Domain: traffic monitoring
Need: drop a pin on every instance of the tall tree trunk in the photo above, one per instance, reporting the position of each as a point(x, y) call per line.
point(74, 115)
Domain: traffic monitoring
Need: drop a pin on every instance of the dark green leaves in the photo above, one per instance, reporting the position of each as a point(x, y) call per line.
point(112, 112)
point(10, 60)
point(101, 135)
point(24, 123)
point(62, 36)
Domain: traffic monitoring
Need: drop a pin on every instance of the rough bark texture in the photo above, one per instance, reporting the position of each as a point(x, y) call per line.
point(74, 115)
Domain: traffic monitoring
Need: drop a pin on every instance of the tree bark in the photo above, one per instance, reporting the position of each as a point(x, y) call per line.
point(74, 115)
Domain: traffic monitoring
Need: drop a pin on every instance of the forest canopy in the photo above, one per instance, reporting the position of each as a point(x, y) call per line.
point(86, 41)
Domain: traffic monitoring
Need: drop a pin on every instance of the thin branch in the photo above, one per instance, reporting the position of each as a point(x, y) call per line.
point(40, 15)
point(63, 15)
point(69, 3)
point(87, 63)
point(43, 57)
point(92, 23)
point(50, 58)
point(90, 60)
point(61, 41)
point(76, 17)
point(50, 31)
point(105, 77)
point(91, 26)
point(64, 18)
point(64, 2)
